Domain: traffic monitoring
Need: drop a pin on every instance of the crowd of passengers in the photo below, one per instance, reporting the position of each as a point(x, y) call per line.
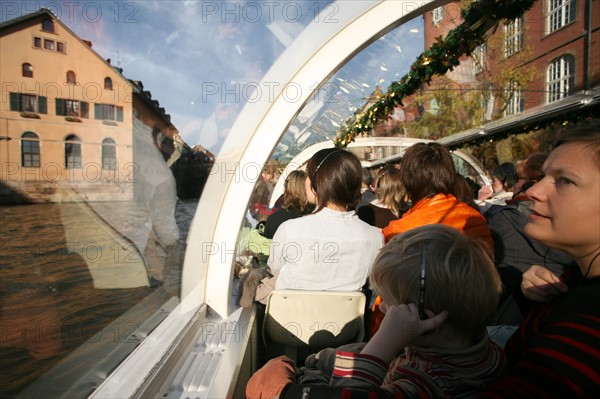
point(449, 266)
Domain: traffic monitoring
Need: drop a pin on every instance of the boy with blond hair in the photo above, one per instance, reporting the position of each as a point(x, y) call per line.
point(440, 290)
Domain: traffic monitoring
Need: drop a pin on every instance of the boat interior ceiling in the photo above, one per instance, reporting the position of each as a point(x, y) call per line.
point(307, 80)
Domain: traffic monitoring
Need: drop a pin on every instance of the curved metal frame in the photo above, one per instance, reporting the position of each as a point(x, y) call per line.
point(313, 57)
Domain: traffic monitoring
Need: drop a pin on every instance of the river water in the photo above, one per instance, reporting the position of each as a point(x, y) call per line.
point(60, 309)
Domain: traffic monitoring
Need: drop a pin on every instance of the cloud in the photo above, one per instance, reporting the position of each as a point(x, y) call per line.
point(174, 35)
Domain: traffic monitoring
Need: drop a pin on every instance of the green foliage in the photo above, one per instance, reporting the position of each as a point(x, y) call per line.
point(442, 57)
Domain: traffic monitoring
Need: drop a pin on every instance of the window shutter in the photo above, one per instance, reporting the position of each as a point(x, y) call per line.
point(97, 111)
point(42, 105)
point(84, 109)
point(120, 114)
point(14, 101)
point(60, 106)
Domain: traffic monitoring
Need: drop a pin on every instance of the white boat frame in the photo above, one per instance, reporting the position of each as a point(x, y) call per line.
point(179, 358)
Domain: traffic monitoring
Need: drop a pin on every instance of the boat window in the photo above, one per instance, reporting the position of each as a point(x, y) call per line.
point(94, 229)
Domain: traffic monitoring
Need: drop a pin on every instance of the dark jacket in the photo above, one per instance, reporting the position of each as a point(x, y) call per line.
point(515, 252)
point(279, 216)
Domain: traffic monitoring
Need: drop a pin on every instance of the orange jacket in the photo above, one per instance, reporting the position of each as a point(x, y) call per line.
point(444, 209)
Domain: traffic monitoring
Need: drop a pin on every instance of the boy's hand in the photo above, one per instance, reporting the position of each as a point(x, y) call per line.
point(401, 325)
point(541, 285)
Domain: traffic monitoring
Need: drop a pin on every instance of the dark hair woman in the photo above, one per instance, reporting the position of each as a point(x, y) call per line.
point(330, 249)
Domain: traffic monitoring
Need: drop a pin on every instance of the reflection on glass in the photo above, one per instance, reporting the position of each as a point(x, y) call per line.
point(98, 182)
point(353, 88)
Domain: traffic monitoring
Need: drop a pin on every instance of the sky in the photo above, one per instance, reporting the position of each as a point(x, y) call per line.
point(191, 55)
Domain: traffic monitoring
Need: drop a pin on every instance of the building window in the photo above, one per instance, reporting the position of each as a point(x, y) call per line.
point(560, 13)
point(108, 85)
point(72, 152)
point(514, 99)
point(48, 25)
point(437, 15)
point(30, 150)
point(27, 103)
point(49, 44)
point(513, 38)
point(560, 78)
point(71, 78)
point(479, 58)
point(109, 154)
point(27, 70)
point(74, 108)
point(108, 112)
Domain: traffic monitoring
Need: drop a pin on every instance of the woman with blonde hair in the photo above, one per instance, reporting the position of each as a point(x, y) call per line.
point(295, 203)
point(390, 203)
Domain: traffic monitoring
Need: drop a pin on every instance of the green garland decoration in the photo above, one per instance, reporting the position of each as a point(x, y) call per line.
point(443, 55)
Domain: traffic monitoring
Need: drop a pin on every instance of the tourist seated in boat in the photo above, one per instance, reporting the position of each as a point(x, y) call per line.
point(429, 177)
point(554, 354)
point(330, 249)
point(514, 251)
point(440, 289)
point(367, 193)
point(503, 180)
point(390, 203)
point(264, 186)
point(295, 203)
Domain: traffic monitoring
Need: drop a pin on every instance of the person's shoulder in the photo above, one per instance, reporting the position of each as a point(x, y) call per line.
point(367, 227)
point(583, 296)
point(369, 194)
point(297, 221)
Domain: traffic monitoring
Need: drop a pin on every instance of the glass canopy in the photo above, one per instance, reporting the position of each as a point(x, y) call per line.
point(177, 107)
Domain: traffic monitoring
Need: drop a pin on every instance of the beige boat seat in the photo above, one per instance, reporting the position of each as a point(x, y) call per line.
point(313, 319)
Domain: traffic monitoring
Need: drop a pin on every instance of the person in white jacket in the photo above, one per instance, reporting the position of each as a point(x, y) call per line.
point(330, 249)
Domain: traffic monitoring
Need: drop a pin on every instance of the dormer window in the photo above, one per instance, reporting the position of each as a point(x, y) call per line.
point(108, 84)
point(48, 25)
point(27, 70)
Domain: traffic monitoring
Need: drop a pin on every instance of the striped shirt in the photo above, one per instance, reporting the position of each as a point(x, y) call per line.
point(423, 372)
point(556, 351)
